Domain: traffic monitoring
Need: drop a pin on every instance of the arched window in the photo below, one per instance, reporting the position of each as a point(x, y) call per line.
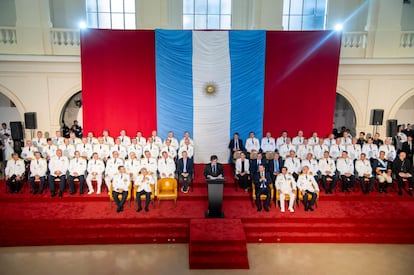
point(70, 112)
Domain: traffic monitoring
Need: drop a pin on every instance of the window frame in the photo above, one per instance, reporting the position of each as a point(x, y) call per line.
point(193, 17)
point(94, 17)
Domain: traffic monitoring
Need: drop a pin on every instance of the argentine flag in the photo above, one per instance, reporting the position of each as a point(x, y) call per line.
point(210, 83)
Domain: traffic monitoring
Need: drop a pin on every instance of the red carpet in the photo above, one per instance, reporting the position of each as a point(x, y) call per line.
point(217, 244)
point(27, 219)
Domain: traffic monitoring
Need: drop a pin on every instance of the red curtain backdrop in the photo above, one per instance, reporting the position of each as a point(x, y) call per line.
point(300, 81)
point(118, 81)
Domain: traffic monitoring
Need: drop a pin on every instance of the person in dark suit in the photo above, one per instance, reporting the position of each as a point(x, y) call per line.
point(262, 181)
point(403, 170)
point(275, 166)
point(255, 163)
point(185, 171)
point(408, 148)
point(214, 169)
point(235, 145)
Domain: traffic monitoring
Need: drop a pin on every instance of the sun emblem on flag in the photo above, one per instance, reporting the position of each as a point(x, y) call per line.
point(210, 88)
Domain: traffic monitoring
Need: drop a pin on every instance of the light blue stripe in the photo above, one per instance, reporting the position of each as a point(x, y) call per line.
point(173, 53)
point(247, 57)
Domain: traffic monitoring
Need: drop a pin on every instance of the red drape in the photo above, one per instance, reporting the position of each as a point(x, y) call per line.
point(300, 81)
point(118, 81)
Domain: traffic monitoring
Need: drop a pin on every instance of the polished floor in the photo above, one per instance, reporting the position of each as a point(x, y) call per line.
point(173, 259)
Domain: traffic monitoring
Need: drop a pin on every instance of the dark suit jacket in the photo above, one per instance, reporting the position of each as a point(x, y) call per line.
point(257, 182)
point(254, 166)
point(189, 166)
point(399, 166)
point(271, 167)
point(406, 148)
point(377, 164)
point(208, 170)
point(241, 147)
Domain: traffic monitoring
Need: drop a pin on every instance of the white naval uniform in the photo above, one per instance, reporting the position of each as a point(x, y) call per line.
point(166, 166)
point(49, 151)
point(312, 164)
point(150, 164)
point(345, 165)
point(75, 141)
point(252, 144)
point(58, 164)
point(304, 150)
point(370, 150)
point(92, 140)
point(144, 183)
point(133, 166)
point(313, 141)
point(280, 141)
point(141, 141)
point(121, 149)
point(174, 143)
point(157, 141)
point(292, 165)
point(125, 140)
point(77, 165)
point(335, 151)
point(182, 141)
point(28, 152)
point(327, 165)
point(38, 167)
point(287, 186)
point(363, 167)
point(188, 148)
point(102, 150)
point(8, 146)
point(39, 142)
point(284, 150)
point(98, 167)
point(268, 144)
point(153, 149)
point(307, 182)
point(297, 141)
point(346, 141)
point(112, 169)
point(329, 142)
point(67, 150)
point(15, 167)
point(137, 149)
point(390, 153)
point(85, 150)
point(121, 181)
point(58, 141)
point(354, 151)
point(172, 153)
point(108, 141)
point(319, 150)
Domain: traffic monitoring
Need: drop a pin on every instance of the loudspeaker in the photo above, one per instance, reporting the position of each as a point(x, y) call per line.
point(392, 127)
point(377, 116)
point(16, 128)
point(30, 120)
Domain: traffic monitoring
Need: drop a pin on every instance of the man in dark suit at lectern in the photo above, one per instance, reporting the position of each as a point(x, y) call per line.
point(213, 170)
point(262, 181)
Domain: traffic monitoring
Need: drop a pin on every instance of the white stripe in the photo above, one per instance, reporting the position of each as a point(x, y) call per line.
point(211, 63)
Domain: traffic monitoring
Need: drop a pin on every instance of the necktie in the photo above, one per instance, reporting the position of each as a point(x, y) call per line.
point(276, 165)
point(29, 149)
point(77, 160)
point(106, 139)
point(300, 140)
point(15, 162)
point(237, 144)
point(95, 161)
point(84, 146)
point(119, 148)
point(37, 161)
point(165, 161)
point(214, 169)
point(132, 162)
point(268, 140)
point(242, 166)
point(90, 140)
point(314, 140)
point(100, 146)
point(284, 140)
point(148, 161)
point(122, 139)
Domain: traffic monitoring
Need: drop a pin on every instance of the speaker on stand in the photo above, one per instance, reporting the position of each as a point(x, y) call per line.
point(17, 134)
point(30, 122)
point(377, 116)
